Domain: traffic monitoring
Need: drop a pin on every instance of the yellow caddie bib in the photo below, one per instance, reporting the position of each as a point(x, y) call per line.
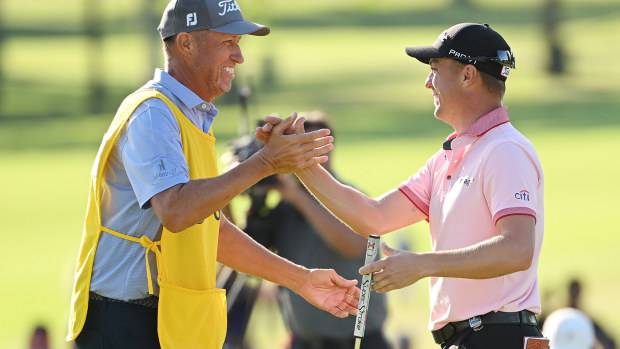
point(192, 312)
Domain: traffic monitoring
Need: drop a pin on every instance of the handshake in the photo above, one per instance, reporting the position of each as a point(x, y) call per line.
point(288, 148)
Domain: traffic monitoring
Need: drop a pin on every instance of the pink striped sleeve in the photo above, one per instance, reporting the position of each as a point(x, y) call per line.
point(414, 198)
point(513, 211)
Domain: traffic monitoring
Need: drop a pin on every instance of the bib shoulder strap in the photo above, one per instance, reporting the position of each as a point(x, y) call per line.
point(126, 109)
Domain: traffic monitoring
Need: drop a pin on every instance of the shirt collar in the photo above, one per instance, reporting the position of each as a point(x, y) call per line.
point(481, 126)
point(184, 94)
point(488, 121)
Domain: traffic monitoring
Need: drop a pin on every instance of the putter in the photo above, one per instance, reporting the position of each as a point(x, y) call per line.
point(372, 249)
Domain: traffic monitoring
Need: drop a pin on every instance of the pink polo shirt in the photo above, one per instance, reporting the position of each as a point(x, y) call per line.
point(491, 171)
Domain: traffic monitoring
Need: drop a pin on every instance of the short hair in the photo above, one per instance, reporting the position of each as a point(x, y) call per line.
point(168, 43)
point(492, 84)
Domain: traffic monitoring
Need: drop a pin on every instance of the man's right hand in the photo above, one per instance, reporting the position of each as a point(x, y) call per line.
point(288, 148)
point(263, 133)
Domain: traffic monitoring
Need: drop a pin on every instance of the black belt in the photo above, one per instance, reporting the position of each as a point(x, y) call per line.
point(523, 317)
point(149, 302)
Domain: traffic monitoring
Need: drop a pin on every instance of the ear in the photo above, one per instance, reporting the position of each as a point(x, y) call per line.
point(184, 43)
point(470, 73)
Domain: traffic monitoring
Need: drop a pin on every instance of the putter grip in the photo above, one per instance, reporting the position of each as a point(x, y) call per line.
point(372, 249)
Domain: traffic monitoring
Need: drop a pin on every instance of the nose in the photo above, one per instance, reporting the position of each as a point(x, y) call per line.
point(429, 81)
point(237, 55)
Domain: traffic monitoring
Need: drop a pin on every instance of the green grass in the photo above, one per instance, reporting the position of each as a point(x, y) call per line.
point(347, 58)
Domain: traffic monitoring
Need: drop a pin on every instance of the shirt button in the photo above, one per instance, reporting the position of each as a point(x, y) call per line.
point(449, 177)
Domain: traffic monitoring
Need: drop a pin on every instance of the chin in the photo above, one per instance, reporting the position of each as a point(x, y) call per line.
point(226, 88)
point(437, 114)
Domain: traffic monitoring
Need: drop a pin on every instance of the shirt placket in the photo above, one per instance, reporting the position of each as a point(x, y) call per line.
point(460, 147)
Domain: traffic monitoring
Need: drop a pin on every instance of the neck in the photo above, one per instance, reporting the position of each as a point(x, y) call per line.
point(185, 77)
point(474, 107)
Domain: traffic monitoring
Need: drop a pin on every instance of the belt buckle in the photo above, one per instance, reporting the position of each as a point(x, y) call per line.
point(475, 323)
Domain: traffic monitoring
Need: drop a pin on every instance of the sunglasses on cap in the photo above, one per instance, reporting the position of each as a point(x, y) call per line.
point(503, 57)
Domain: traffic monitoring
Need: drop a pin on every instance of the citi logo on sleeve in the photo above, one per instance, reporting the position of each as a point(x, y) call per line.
point(227, 6)
point(523, 195)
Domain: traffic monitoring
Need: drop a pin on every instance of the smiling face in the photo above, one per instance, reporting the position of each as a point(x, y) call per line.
point(218, 54)
point(444, 81)
point(207, 62)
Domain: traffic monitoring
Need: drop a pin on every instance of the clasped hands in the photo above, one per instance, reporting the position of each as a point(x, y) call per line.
point(289, 148)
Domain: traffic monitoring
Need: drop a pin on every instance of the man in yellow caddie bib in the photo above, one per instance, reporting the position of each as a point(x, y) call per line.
point(145, 275)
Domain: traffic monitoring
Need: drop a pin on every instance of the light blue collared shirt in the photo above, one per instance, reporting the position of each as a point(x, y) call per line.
point(146, 160)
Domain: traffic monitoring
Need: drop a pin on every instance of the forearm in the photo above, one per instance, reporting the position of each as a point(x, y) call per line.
point(187, 204)
point(350, 205)
point(492, 258)
point(338, 235)
point(240, 252)
point(332, 230)
point(512, 250)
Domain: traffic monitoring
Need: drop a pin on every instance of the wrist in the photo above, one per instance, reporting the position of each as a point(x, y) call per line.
point(262, 163)
point(302, 275)
point(428, 266)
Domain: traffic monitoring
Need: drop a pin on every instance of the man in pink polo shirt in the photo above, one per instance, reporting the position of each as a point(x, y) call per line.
point(482, 194)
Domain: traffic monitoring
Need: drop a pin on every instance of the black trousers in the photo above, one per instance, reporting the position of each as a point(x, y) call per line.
point(373, 340)
point(492, 337)
point(117, 325)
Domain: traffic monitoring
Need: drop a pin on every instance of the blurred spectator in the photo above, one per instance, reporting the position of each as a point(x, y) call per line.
point(551, 25)
point(39, 339)
point(602, 339)
point(569, 328)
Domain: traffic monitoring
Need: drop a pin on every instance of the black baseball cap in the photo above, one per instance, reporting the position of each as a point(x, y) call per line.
point(222, 16)
point(470, 43)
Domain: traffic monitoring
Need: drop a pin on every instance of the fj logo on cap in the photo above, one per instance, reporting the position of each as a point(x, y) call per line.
point(192, 19)
point(227, 6)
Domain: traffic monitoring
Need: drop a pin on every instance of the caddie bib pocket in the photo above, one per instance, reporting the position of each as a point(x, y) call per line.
point(191, 319)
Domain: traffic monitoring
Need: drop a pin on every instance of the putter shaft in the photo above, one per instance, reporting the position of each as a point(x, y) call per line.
point(372, 249)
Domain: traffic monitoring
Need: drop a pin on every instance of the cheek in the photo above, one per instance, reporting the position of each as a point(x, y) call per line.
point(438, 86)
